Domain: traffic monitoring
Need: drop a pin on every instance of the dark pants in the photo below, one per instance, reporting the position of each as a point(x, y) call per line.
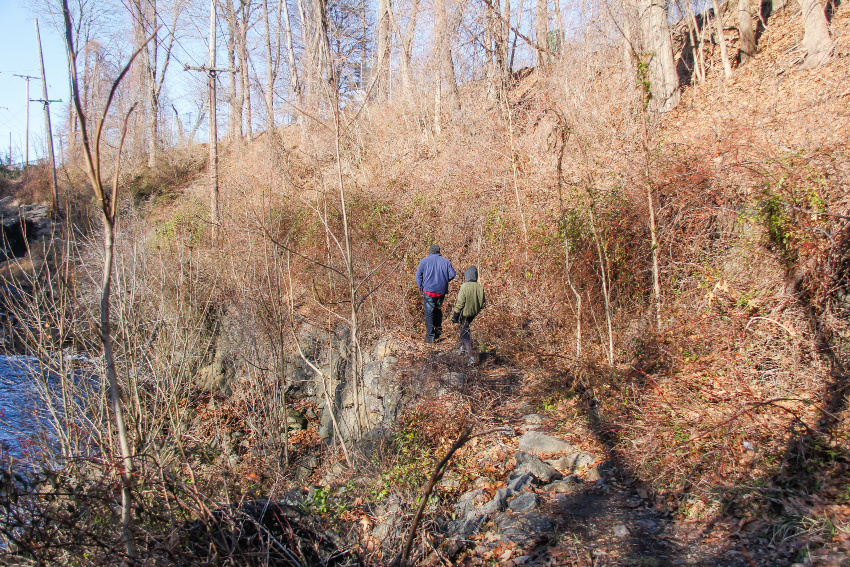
point(465, 336)
point(433, 315)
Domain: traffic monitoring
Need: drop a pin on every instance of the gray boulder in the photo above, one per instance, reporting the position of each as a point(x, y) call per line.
point(465, 527)
point(468, 502)
point(522, 528)
point(621, 531)
point(497, 504)
point(538, 443)
point(573, 461)
point(525, 502)
point(519, 480)
point(543, 472)
point(562, 486)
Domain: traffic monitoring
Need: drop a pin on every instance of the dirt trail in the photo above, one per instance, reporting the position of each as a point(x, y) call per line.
point(601, 514)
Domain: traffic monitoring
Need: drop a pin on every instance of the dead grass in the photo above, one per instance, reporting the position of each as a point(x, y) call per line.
point(740, 397)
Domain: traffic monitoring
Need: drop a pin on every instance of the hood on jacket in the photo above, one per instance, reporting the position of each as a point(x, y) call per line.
point(471, 274)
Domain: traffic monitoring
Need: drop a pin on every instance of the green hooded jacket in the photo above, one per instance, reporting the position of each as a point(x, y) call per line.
point(470, 299)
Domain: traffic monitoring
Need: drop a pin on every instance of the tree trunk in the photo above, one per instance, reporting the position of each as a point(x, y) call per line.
point(505, 39)
point(108, 205)
point(407, 47)
point(658, 46)
point(244, 69)
point(145, 22)
point(382, 65)
point(234, 127)
point(816, 41)
point(444, 55)
point(696, 43)
point(272, 62)
point(491, 75)
point(542, 27)
point(307, 42)
point(721, 40)
point(747, 39)
point(294, 82)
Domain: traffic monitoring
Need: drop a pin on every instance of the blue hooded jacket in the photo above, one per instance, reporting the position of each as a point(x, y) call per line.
point(434, 274)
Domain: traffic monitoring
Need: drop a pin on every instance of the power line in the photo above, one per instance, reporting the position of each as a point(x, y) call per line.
point(159, 41)
point(12, 117)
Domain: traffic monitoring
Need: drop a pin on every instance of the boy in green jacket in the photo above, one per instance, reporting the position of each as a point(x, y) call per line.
point(470, 302)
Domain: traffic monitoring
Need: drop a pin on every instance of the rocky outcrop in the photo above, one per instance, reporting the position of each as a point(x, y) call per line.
point(22, 225)
point(333, 389)
point(517, 510)
point(538, 443)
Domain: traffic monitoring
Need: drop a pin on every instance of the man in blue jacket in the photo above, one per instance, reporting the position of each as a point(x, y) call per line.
point(432, 278)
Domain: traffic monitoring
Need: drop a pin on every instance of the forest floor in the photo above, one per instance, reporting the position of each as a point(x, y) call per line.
point(602, 514)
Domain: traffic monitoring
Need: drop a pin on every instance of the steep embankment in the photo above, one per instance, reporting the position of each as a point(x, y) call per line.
point(719, 420)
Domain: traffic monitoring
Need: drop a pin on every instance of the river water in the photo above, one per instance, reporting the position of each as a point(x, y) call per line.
point(20, 428)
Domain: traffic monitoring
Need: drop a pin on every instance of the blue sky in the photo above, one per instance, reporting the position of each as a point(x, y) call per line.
point(19, 55)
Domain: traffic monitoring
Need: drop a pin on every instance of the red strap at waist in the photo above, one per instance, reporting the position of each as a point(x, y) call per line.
point(432, 294)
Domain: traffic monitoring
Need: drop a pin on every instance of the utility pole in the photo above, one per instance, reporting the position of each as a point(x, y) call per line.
point(9, 157)
point(27, 78)
point(213, 72)
point(46, 101)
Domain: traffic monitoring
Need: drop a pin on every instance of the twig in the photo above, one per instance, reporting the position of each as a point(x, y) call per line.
point(439, 470)
point(775, 322)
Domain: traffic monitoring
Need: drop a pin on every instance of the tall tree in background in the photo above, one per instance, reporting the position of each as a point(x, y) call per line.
point(88, 20)
point(382, 66)
point(406, 41)
point(816, 41)
point(146, 16)
point(656, 46)
point(445, 66)
point(542, 31)
point(245, 66)
point(272, 46)
point(505, 38)
point(237, 14)
point(721, 40)
point(318, 67)
point(494, 50)
point(747, 39)
point(295, 86)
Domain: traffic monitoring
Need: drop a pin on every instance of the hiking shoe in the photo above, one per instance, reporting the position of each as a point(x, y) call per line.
point(471, 361)
point(461, 351)
point(429, 340)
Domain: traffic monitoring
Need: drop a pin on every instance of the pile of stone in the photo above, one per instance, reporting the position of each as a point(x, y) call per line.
point(517, 509)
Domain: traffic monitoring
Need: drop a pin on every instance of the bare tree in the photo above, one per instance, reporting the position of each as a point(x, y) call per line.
point(494, 50)
point(445, 66)
point(721, 40)
point(108, 204)
point(816, 41)
point(155, 60)
point(747, 39)
point(696, 35)
point(505, 36)
point(542, 30)
point(382, 66)
point(237, 15)
point(657, 45)
point(406, 40)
